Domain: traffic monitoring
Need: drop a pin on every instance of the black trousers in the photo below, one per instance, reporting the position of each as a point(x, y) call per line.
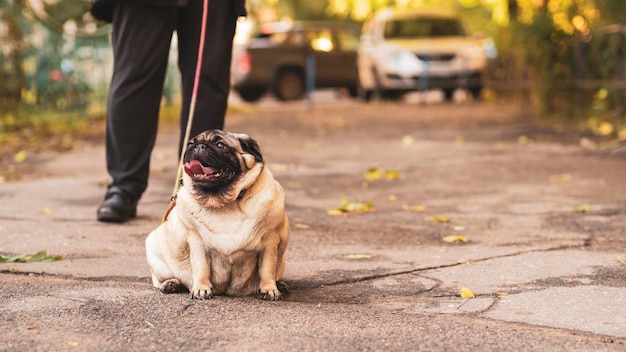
point(141, 40)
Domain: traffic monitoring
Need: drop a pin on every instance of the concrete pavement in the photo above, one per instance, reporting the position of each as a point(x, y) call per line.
point(544, 220)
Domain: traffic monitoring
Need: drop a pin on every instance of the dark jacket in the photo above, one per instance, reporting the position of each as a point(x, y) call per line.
point(103, 9)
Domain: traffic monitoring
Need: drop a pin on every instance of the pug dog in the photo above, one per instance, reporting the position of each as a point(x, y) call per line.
point(228, 230)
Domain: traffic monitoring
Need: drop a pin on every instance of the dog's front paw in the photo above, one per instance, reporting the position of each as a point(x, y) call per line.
point(270, 294)
point(201, 293)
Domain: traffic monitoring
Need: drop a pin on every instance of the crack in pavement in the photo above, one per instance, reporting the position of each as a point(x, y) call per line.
point(444, 266)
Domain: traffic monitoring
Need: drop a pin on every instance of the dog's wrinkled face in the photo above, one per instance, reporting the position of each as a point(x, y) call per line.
point(216, 161)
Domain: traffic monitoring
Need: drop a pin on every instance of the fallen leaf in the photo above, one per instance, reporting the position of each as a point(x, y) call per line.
point(523, 140)
point(408, 140)
point(19, 156)
point(301, 226)
point(459, 228)
point(621, 260)
point(41, 256)
point(418, 208)
point(373, 173)
point(459, 140)
point(47, 211)
point(581, 208)
point(502, 293)
point(560, 178)
point(392, 175)
point(442, 219)
point(347, 206)
point(393, 197)
point(466, 293)
point(360, 256)
point(454, 238)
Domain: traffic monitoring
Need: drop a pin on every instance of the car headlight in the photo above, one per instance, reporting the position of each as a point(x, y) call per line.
point(473, 52)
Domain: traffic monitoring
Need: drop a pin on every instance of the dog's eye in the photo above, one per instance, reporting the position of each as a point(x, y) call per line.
point(219, 145)
point(189, 145)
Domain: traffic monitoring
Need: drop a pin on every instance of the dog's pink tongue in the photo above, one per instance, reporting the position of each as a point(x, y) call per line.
point(194, 167)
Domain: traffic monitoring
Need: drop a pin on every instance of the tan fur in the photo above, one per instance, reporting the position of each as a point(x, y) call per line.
point(233, 245)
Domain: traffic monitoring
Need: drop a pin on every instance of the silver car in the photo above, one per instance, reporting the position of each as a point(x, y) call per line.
point(403, 51)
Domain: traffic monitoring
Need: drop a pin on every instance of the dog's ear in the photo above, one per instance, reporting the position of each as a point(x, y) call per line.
point(250, 146)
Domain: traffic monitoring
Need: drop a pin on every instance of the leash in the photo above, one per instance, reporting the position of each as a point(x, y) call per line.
point(192, 109)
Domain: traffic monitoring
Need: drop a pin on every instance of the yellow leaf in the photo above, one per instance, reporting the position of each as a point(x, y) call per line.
point(301, 226)
point(621, 260)
point(466, 293)
point(459, 140)
point(360, 256)
point(502, 293)
point(581, 208)
point(373, 173)
point(454, 238)
point(348, 206)
point(560, 178)
point(523, 140)
point(439, 218)
point(392, 175)
point(408, 140)
point(47, 211)
point(19, 156)
point(393, 197)
point(417, 208)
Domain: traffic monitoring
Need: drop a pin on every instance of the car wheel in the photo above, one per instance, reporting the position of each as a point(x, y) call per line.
point(353, 91)
point(448, 94)
point(251, 95)
point(289, 85)
point(475, 92)
point(390, 94)
point(366, 95)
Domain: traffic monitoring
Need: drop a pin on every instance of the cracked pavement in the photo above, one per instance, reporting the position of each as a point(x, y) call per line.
point(545, 277)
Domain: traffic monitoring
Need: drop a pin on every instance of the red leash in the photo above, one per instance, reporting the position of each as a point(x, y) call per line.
point(192, 106)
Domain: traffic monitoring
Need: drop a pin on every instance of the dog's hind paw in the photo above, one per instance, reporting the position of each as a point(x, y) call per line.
point(282, 287)
point(204, 293)
point(172, 286)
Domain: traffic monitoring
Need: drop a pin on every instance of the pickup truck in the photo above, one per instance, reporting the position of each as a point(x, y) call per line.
point(276, 58)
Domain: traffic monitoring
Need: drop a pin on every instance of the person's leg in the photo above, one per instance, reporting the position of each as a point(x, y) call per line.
point(141, 39)
point(214, 84)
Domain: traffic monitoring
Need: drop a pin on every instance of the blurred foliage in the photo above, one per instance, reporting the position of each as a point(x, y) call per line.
point(561, 56)
point(53, 77)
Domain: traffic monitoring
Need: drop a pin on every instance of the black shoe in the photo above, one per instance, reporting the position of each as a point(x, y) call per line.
point(116, 207)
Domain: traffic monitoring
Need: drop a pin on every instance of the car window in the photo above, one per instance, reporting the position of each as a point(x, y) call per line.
point(423, 28)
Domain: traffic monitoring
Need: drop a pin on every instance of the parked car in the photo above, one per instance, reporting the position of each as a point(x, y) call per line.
point(275, 59)
point(404, 51)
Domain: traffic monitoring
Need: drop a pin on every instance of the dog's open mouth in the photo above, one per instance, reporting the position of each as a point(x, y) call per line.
point(195, 169)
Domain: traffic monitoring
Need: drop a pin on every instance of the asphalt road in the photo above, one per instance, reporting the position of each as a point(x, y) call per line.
point(544, 220)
